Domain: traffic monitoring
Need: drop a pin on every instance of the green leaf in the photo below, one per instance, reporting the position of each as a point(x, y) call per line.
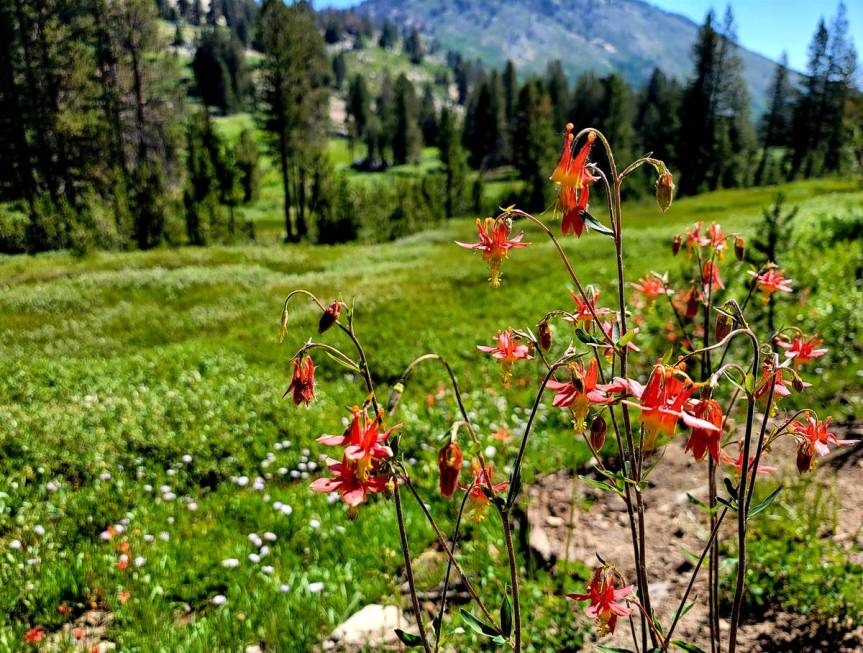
point(499, 640)
point(686, 608)
point(686, 646)
point(506, 613)
point(514, 488)
point(409, 639)
point(601, 485)
point(615, 332)
point(611, 649)
point(625, 338)
point(342, 362)
point(595, 225)
point(764, 505)
point(587, 339)
point(477, 625)
point(731, 505)
point(730, 487)
point(698, 502)
point(749, 383)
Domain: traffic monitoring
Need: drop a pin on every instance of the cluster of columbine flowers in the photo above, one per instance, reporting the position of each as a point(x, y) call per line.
point(595, 386)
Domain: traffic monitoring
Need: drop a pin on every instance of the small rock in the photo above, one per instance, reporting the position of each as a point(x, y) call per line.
point(554, 521)
point(372, 627)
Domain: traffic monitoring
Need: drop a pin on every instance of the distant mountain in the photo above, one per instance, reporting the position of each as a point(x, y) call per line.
point(629, 36)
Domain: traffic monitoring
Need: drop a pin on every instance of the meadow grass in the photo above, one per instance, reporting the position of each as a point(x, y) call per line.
point(126, 372)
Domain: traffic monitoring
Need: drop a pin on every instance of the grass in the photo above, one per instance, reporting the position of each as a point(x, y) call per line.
point(121, 373)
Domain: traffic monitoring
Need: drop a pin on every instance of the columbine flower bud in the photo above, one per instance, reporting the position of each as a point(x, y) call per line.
point(804, 458)
point(395, 396)
point(664, 190)
point(675, 244)
point(283, 325)
point(797, 383)
point(724, 324)
point(544, 335)
point(329, 317)
point(449, 463)
point(739, 247)
point(597, 432)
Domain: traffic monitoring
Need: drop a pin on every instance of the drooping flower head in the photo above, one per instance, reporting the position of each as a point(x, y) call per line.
point(579, 393)
point(482, 478)
point(302, 381)
point(814, 437)
point(702, 440)
point(494, 243)
point(772, 280)
point(573, 179)
point(330, 316)
point(606, 603)
point(663, 401)
point(508, 350)
point(710, 275)
point(717, 238)
point(363, 441)
point(351, 486)
point(449, 464)
point(694, 237)
point(688, 302)
point(652, 286)
point(803, 350)
point(585, 310)
point(737, 463)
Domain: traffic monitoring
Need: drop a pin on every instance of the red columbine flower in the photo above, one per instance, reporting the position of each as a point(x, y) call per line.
point(710, 276)
point(363, 442)
point(580, 392)
point(717, 238)
point(704, 440)
point(449, 460)
point(663, 401)
point(781, 385)
point(351, 486)
point(330, 316)
point(688, 302)
point(606, 603)
point(574, 179)
point(303, 381)
point(695, 239)
point(814, 436)
point(583, 313)
point(803, 350)
point(652, 286)
point(34, 635)
point(481, 479)
point(771, 281)
point(737, 463)
point(494, 243)
point(508, 350)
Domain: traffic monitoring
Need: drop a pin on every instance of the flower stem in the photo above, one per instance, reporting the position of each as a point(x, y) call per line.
point(513, 578)
point(439, 622)
point(409, 572)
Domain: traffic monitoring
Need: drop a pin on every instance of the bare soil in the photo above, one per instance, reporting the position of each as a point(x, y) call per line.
point(675, 525)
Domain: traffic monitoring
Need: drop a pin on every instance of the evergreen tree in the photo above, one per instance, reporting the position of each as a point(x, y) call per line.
point(340, 69)
point(454, 160)
point(535, 142)
point(617, 123)
point(389, 35)
point(358, 107)
point(204, 214)
point(657, 118)
point(413, 47)
point(295, 96)
point(428, 119)
point(219, 65)
point(407, 138)
point(248, 168)
point(776, 123)
point(485, 137)
point(385, 107)
point(588, 98)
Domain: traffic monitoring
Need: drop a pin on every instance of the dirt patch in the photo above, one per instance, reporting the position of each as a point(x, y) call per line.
point(674, 526)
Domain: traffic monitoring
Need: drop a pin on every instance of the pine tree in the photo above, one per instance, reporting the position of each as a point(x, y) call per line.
point(246, 158)
point(428, 118)
point(221, 75)
point(776, 123)
point(389, 35)
point(294, 71)
point(358, 107)
point(588, 97)
point(535, 140)
point(558, 91)
point(617, 123)
point(201, 198)
point(807, 117)
point(414, 48)
point(657, 118)
point(340, 69)
point(407, 138)
point(485, 137)
point(454, 160)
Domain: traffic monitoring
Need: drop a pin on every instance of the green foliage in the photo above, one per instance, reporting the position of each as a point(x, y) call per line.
point(795, 563)
point(221, 77)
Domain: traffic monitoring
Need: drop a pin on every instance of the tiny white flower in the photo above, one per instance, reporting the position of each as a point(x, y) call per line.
point(490, 451)
point(119, 528)
point(254, 558)
point(255, 539)
point(164, 489)
point(187, 458)
point(105, 536)
point(230, 563)
point(265, 551)
point(314, 523)
point(340, 529)
point(219, 599)
point(314, 588)
point(267, 569)
point(15, 544)
point(171, 472)
point(164, 536)
point(148, 537)
point(242, 481)
point(295, 473)
point(277, 446)
point(284, 587)
point(192, 506)
point(270, 537)
point(105, 476)
point(140, 561)
point(169, 496)
point(33, 561)
point(53, 486)
point(283, 471)
point(148, 488)
point(259, 484)
point(39, 530)
point(277, 505)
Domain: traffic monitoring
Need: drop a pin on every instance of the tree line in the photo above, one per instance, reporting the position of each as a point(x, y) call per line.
point(103, 147)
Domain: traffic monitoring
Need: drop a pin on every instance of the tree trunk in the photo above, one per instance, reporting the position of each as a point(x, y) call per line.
point(286, 187)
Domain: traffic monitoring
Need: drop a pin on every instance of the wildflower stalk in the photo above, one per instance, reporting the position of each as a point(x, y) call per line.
point(438, 624)
point(409, 572)
point(442, 542)
point(513, 577)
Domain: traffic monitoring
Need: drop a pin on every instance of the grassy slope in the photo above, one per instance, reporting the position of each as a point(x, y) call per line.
point(119, 364)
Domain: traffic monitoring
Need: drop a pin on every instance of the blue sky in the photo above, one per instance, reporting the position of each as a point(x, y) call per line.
point(766, 26)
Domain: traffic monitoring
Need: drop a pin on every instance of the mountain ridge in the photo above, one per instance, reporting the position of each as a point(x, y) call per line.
point(601, 36)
